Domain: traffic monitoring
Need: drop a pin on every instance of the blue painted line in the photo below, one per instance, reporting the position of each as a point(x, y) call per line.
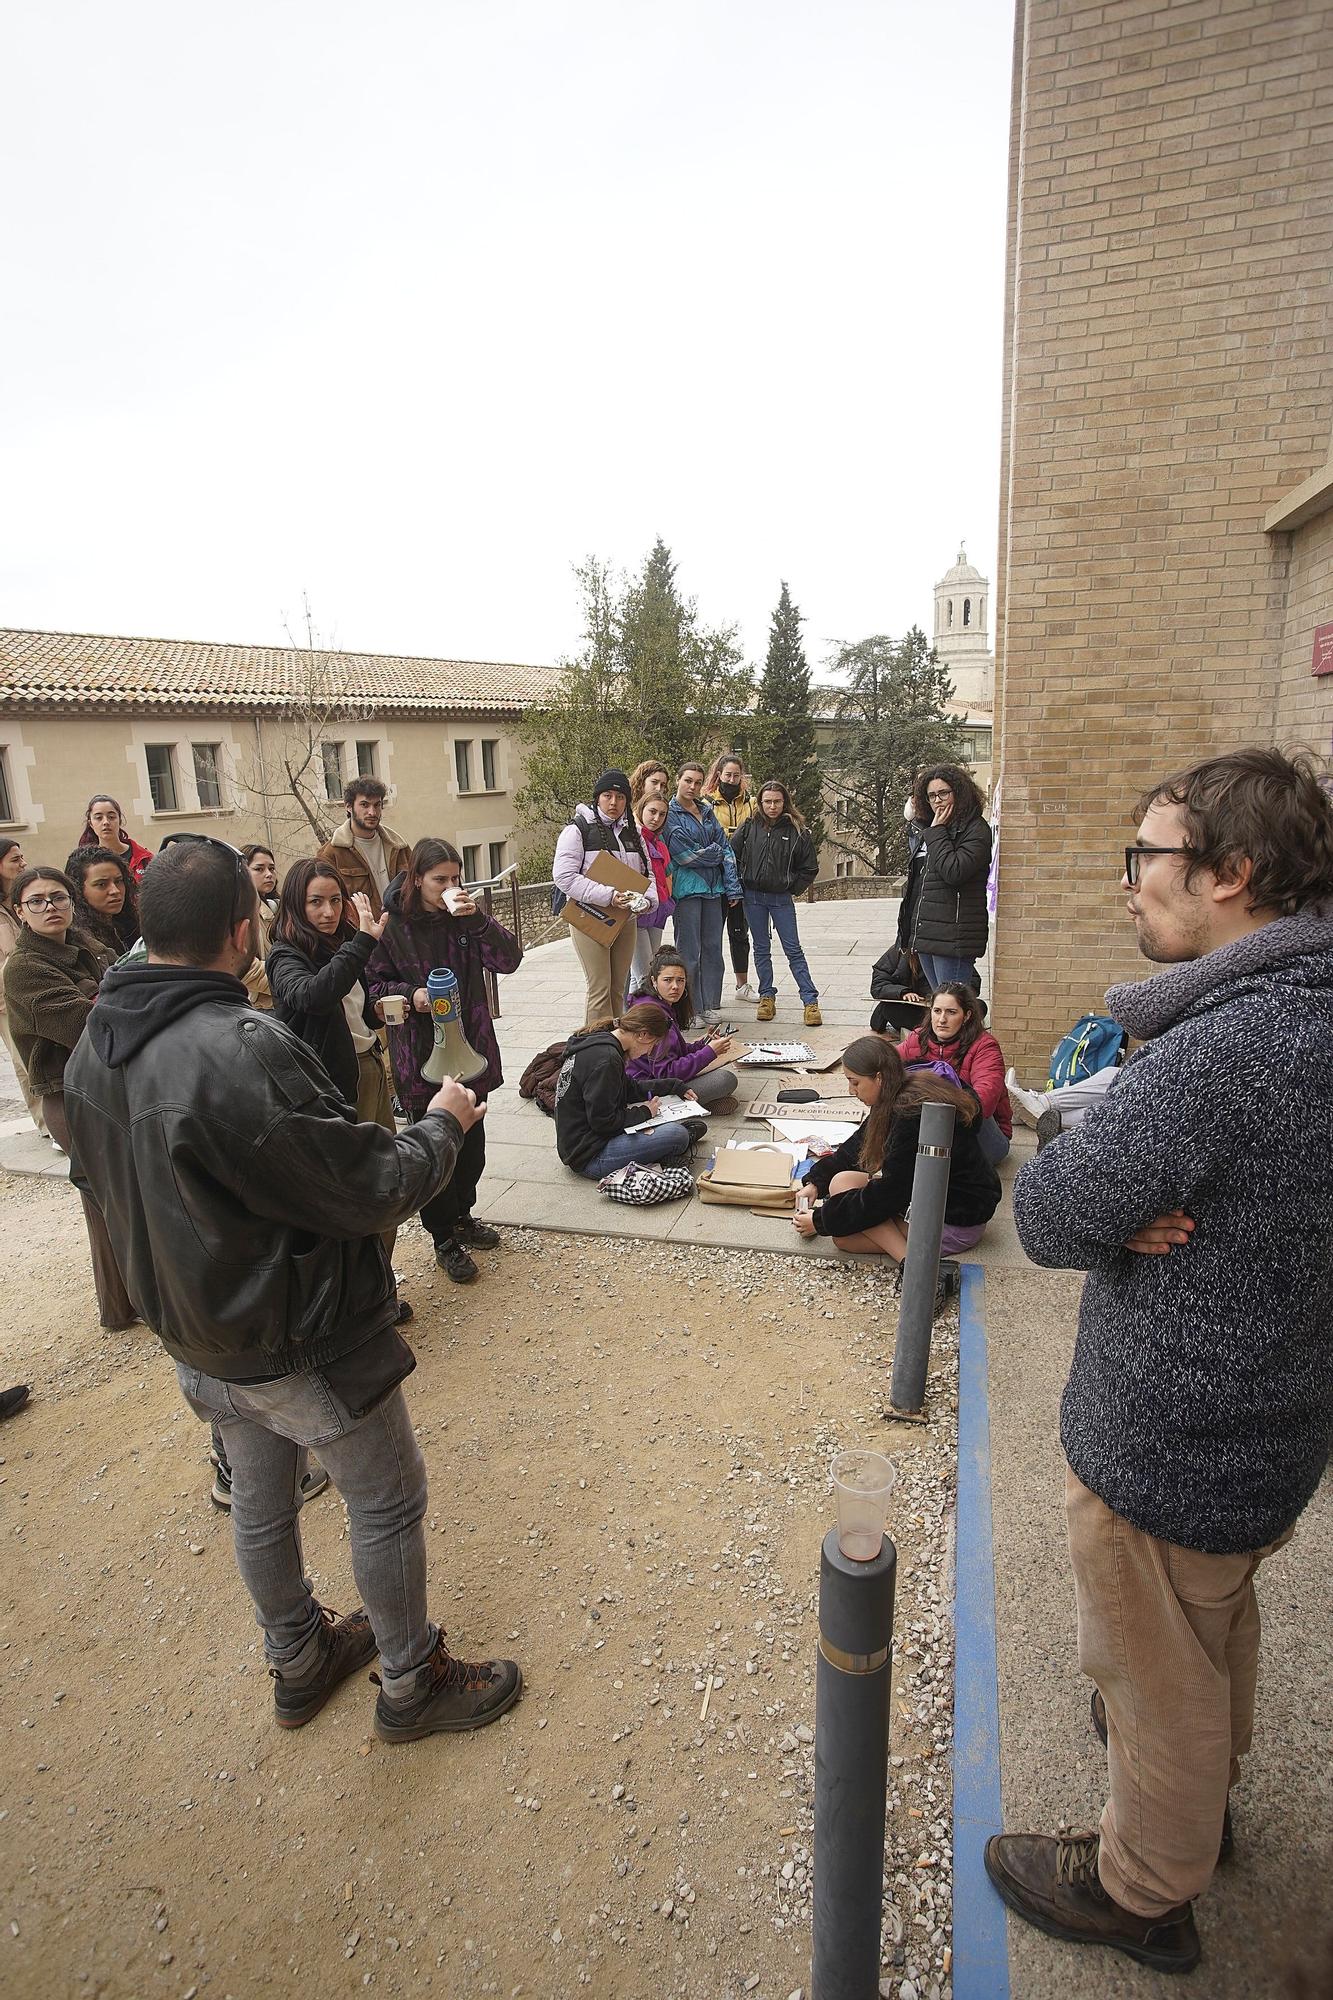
point(980, 1931)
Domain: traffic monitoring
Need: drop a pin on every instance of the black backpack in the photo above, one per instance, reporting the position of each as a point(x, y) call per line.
point(601, 839)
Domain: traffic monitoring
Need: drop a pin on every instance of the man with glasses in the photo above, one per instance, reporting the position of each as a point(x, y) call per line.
point(1198, 1197)
point(227, 1165)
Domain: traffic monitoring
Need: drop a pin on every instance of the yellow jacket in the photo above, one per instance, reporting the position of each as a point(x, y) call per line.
point(733, 816)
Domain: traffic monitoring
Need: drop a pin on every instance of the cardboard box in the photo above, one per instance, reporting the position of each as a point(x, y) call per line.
point(745, 1167)
point(605, 925)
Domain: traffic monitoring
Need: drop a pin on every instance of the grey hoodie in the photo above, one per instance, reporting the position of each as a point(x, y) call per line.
point(1200, 1398)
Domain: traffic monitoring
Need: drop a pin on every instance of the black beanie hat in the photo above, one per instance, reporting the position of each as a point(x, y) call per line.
point(611, 781)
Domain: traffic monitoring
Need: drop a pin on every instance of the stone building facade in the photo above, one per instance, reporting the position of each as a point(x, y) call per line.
point(1166, 502)
point(194, 738)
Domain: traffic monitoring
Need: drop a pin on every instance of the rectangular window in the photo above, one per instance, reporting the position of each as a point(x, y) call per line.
point(207, 781)
point(471, 864)
point(488, 764)
point(162, 776)
point(497, 856)
point(332, 755)
point(845, 867)
point(463, 765)
point(367, 760)
point(6, 796)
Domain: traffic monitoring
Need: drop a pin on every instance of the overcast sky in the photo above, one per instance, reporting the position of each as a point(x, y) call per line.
point(413, 306)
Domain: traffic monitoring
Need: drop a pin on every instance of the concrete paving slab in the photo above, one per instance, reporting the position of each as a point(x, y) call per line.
point(575, 1207)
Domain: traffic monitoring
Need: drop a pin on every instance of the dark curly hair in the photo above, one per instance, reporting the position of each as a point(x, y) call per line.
point(968, 803)
point(1260, 806)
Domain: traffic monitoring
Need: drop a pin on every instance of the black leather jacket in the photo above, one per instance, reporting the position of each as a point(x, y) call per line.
point(244, 1201)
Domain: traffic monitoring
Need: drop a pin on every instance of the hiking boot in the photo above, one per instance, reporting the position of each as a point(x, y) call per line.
point(476, 1235)
point(1051, 1881)
point(454, 1261)
point(404, 1314)
point(813, 1017)
point(12, 1400)
point(345, 1644)
point(1049, 1126)
point(1226, 1846)
point(768, 1007)
point(448, 1695)
point(313, 1483)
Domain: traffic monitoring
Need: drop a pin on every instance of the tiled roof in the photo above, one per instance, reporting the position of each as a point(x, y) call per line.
point(85, 672)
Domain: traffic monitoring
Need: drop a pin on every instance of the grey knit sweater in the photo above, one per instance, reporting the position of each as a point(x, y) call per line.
point(1200, 1398)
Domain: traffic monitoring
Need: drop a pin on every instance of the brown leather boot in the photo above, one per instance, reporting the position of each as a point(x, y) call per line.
point(1226, 1847)
point(1051, 1881)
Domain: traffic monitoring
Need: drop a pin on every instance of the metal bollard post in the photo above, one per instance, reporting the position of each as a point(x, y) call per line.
point(930, 1188)
point(852, 1674)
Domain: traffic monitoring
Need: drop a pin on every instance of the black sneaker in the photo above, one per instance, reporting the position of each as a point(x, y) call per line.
point(403, 1314)
point(12, 1400)
point(313, 1483)
point(449, 1695)
point(345, 1644)
point(1049, 1126)
point(454, 1261)
point(476, 1235)
point(1227, 1845)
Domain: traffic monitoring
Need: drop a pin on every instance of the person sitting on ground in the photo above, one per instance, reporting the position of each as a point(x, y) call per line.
point(956, 1033)
point(106, 898)
point(776, 861)
point(604, 827)
point(52, 977)
point(435, 923)
point(104, 826)
point(899, 989)
point(677, 1064)
point(859, 1193)
point(594, 1096)
point(225, 1162)
point(1064, 1108)
point(366, 853)
point(12, 865)
point(264, 874)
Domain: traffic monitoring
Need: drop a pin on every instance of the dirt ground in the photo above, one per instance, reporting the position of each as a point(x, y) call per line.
point(627, 1448)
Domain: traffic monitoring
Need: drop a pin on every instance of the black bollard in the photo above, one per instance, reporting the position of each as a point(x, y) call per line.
point(921, 1272)
point(852, 1674)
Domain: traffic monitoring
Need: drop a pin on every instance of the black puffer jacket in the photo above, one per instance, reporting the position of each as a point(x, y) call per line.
point(951, 918)
point(776, 857)
point(974, 1185)
point(244, 1200)
point(309, 997)
point(592, 1093)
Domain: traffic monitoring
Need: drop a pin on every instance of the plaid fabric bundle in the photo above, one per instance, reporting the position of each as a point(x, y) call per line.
point(642, 1187)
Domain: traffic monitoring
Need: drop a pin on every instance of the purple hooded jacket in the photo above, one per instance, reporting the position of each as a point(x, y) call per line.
point(674, 1060)
point(408, 950)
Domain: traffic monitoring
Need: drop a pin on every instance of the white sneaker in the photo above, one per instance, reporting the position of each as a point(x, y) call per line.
point(746, 992)
point(710, 1017)
point(1031, 1101)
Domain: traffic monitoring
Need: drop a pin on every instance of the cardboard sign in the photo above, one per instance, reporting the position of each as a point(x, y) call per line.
point(840, 1110)
point(604, 925)
point(737, 1166)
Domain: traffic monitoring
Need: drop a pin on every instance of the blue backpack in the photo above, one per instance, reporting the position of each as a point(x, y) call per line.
point(1094, 1042)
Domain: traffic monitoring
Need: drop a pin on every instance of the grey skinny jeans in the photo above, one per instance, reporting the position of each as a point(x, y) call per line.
point(377, 1467)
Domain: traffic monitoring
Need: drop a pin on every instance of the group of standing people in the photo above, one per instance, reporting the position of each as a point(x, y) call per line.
point(715, 857)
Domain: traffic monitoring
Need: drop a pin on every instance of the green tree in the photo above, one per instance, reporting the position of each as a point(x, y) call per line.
point(890, 718)
point(650, 680)
point(783, 737)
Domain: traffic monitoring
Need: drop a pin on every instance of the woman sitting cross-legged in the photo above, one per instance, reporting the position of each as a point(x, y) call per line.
point(677, 1064)
point(955, 1032)
point(859, 1194)
point(593, 1096)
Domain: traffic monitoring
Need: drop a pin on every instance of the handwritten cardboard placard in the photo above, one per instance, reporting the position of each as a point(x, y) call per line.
point(842, 1110)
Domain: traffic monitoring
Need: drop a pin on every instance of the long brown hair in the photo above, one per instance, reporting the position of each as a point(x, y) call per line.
point(649, 1017)
point(715, 768)
point(427, 854)
point(638, 780)
point(292, 925)
point(974, 1021)
point(789, 805)
point(900, 1091)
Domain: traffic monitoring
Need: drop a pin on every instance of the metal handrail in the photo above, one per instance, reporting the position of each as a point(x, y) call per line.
point(486, 889)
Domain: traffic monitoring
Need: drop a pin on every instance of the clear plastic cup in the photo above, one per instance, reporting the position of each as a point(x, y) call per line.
point(862, 1483)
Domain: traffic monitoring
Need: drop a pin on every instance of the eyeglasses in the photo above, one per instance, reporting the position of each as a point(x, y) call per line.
point(1133, 856)
point(57, 900)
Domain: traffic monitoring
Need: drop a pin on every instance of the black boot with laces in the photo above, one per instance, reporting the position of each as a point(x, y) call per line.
point(448, 1695)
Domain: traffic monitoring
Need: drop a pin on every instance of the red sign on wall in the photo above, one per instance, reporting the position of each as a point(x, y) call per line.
point(1322, 662)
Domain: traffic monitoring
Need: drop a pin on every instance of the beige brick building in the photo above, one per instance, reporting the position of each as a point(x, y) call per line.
point(1166, 505)
point(195, 738)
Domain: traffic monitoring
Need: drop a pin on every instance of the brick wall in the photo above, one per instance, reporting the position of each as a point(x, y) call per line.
point(1170, 351)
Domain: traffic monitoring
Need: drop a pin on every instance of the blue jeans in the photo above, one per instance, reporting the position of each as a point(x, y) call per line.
point(699, 921)
point(994, 1146)
point(376, 1464)
point(762, 909)
point(938, 970)
point(664, 1142)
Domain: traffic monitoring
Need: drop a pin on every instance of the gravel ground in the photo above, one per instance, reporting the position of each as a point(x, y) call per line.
point(628, 1447)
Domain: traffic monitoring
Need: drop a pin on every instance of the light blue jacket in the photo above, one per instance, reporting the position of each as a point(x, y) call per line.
point(702, 863)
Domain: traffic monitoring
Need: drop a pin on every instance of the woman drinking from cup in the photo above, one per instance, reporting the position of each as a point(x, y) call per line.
point(51, 981)
point(859, 1194)
point(433, 923)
